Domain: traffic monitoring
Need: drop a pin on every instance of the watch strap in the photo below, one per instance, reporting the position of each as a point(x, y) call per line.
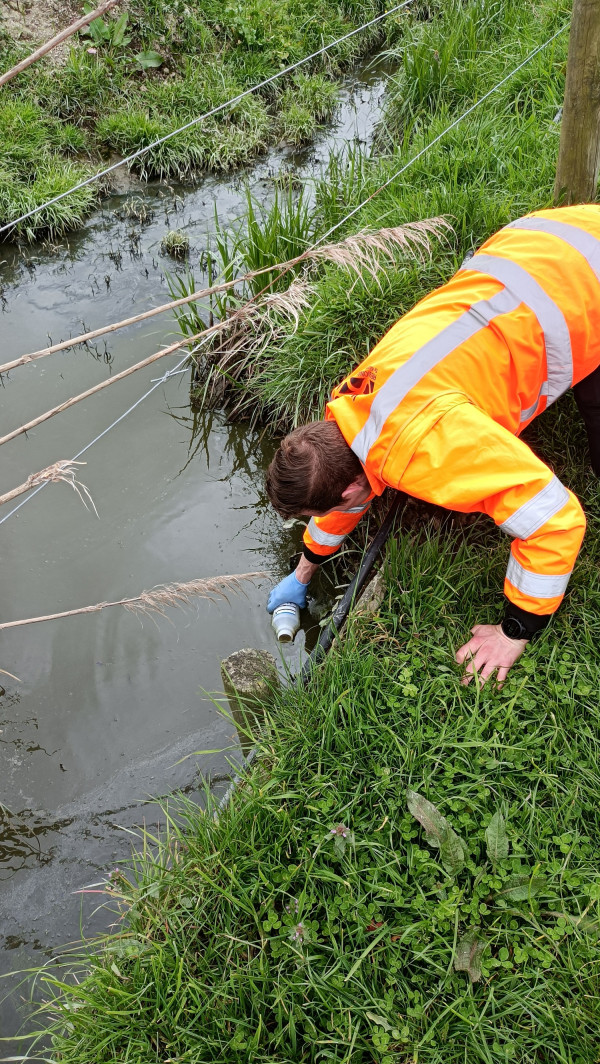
point(520, 624)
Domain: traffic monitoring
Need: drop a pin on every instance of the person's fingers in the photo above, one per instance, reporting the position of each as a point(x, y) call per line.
point(487, 670)
point(468, 650)
point(501, 677)
point(461, 654)
point(478, 660)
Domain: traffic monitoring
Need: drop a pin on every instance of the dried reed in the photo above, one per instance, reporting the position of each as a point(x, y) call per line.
point(63, 472)
point(364, 250)
point(253, 327)
point(159, 598)
point(345, 253)
point(353, 253)
point(62, 36)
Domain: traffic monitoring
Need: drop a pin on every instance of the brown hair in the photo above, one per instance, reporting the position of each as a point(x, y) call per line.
point(310, 471)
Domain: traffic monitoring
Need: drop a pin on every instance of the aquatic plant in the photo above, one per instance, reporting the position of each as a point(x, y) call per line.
point(175, 243)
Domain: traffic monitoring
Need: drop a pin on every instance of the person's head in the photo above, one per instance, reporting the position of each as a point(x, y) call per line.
point(314, 471)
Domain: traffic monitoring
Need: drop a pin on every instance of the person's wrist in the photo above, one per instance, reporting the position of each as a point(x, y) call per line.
point(520, 624)
point(513, 630)
point(305, 570)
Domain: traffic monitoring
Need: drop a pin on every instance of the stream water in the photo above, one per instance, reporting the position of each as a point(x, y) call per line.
point(106, 705)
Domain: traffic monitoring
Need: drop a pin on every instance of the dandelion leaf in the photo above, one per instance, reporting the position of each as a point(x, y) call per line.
point(428, 816)
point(469, 951)
point(452, 851)
point(438, 832)
point(523, 887)
point(496, 839)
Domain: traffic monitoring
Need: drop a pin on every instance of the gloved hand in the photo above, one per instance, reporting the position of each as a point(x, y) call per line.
point(288, 590)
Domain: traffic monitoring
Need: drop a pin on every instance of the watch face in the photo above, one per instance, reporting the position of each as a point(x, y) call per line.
point(513, 628)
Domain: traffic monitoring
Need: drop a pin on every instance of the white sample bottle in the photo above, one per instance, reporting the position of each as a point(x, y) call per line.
point(286, 621)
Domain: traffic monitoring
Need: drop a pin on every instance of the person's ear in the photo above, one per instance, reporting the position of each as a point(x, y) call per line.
point(356, 485)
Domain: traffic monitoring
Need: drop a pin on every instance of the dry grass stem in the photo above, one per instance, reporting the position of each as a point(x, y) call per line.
point(5, 672)
point(413, 236)
point(159, 598)
point(290, 304)
point(63, 471)
point(364, 250)
point(58, 39)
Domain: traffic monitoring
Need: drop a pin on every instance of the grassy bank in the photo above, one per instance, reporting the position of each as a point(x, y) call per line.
point(495, 165)
point(317, 919)
point(146, 69)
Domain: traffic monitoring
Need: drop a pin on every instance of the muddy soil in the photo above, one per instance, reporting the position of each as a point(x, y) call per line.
point(34, 22)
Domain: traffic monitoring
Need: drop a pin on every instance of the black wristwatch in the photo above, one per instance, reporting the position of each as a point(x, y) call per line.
point(520, 624)
point(514, 628)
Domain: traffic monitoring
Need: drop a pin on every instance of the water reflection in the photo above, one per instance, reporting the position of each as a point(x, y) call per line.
point(107, 709)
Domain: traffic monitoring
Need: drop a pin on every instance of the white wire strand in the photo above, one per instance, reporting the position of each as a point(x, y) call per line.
point(329, 232)
point(202, 118)
point(161, 380)
point(439, 137)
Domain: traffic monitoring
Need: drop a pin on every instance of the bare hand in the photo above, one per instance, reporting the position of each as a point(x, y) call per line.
point(488, 650)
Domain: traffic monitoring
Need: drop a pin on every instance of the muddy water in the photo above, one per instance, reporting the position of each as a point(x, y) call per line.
point(107, 705)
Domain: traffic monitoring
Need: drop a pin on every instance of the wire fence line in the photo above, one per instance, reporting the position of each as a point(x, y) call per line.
point(441, 135)
point(325, 236)
point(208, 114)
point(161, 380)
point(84, 337)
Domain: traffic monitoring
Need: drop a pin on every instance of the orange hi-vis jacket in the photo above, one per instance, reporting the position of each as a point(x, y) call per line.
point(437, 407)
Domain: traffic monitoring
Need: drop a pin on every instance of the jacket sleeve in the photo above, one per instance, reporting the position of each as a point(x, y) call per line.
point(323, 536)
point(468, 462)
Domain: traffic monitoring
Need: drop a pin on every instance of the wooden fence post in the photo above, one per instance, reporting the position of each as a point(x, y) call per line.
point(579, 151)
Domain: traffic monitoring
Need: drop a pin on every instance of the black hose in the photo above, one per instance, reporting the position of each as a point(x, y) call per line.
point(340, 614)
point(334, 625)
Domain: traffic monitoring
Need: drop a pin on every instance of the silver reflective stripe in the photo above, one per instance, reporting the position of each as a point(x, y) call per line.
point(551, 319)
point(532, 515)
point(537, 585)
point(526, 414)
point(424, 359)
point(359, 509)
point(586, 244)
point(325, 539)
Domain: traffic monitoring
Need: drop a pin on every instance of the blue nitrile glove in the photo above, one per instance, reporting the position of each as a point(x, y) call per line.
point(288, 590)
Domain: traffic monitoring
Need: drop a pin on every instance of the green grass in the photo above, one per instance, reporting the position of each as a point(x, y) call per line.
point(39, 162)
point(305, 103)
point(139, 76)
point(497, 164)
point(313, 921)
